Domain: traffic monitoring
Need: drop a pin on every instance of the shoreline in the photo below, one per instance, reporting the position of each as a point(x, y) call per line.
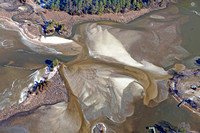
point(56, 92)
point(179, 92)
point(32, 33)
point(26, 32)
point(35, 39)
point(71, 20)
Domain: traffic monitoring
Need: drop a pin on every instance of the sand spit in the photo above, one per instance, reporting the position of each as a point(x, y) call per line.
point(56, 92)
point(40, 39)
point(40, 43)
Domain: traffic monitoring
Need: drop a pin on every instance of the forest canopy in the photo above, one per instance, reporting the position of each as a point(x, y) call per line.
point(78, 7)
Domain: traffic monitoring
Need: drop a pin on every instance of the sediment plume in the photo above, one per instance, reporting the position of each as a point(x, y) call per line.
point(105, 90)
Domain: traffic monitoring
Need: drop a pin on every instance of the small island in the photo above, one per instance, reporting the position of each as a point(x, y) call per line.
point(54, 91)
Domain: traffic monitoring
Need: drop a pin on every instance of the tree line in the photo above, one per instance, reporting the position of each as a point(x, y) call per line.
point(52, 26)
point(78, 7)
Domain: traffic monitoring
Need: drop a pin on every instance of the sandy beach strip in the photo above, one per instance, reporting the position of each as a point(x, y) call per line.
point(27, 35)
point(54, 40)
point(40, 39)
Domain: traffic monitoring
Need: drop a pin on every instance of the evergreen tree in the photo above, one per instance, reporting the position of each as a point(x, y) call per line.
point(57, 5)
point(120, 2)
point(104, 2)
point(134, 4)
point(128, 4)
point(138, 6)
point(80, 4)
point(75, 2)
point(118, 7)
point(101, 8)
point(88, 3)
point(70, 4)
point(123, 3)
point(95, 6)
point(108, 3)
point(52, 6)
point(114, 2)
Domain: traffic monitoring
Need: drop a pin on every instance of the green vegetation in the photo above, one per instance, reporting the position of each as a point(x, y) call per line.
point(53, 26)
point(55, 62)
point(79, 7)
point(182, 130)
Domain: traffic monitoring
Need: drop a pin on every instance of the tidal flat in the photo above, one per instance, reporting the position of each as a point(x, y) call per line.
point(115, 73)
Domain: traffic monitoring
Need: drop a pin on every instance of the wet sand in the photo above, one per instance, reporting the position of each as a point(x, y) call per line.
point(56, 92)
point(89, 72)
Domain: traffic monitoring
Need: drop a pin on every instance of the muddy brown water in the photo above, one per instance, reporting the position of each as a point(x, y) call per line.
point(162, 42)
